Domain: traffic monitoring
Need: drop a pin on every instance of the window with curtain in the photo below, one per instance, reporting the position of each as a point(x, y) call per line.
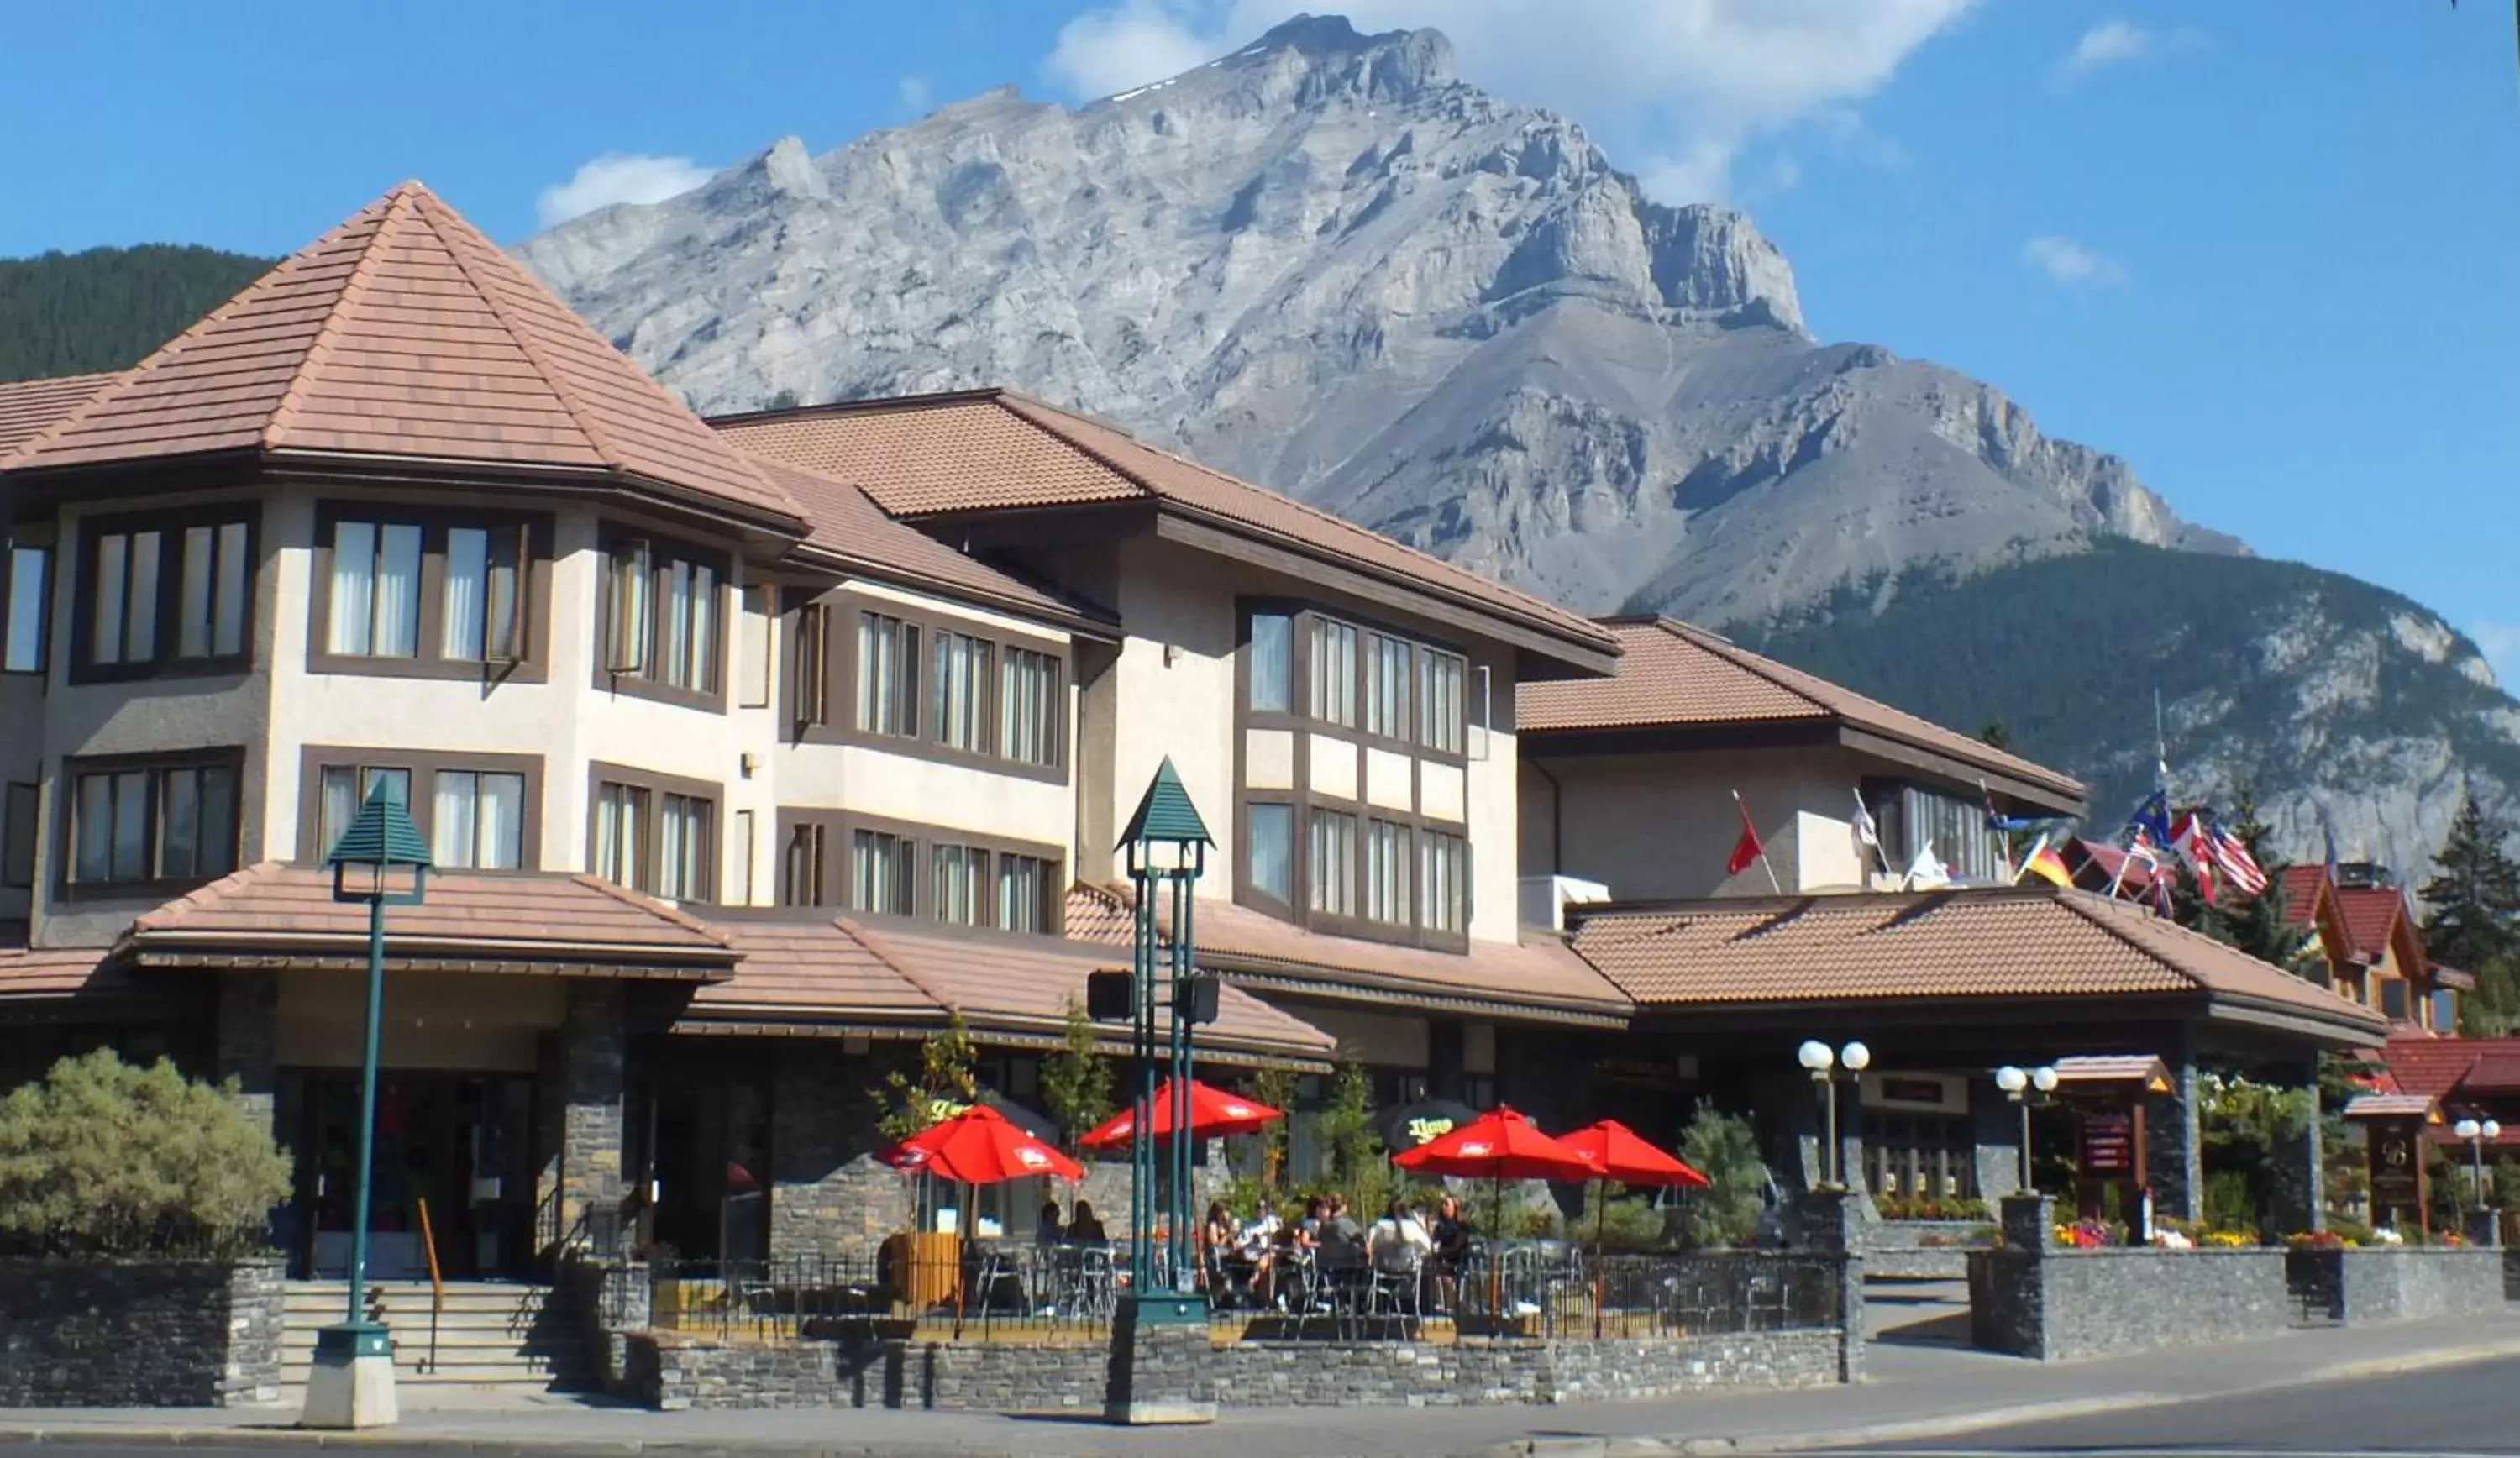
point(1335, 672)
point(1026, 885)
point(482, 616)
point(1954, 826)
point(959, 878)
point(478, 820)
point(1444, 882)
point(152, 823)
point(1387, 873)
point(374, 590)
point(629, 629)
point(1271, 836)
point(1386, 687)
point(213, 588)
point(21, 609)
point(879, 872)
point(810, 690)
point(1030, 707)
point(1271, 663)
point(621, 834)
point(1333, 864)
point(686, 848)
point(1443, 686)
point(887, 674)
point(690, 594)
point(347, 787)
point(957, 688)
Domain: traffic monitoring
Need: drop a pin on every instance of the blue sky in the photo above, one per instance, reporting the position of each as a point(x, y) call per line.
point(2269, 252)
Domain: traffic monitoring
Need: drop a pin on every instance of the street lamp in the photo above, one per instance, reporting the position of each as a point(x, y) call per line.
point(2026, 1088)
point(352, 1383)
point(2478, 1135)
point(1820, 1061)
point(1167, 845)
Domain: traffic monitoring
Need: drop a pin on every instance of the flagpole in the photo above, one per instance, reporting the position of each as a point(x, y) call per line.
point(2026, 860)
point(1775, 885)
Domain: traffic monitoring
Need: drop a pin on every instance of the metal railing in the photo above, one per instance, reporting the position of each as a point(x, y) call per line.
point(938, 1290)
point(437, 1284)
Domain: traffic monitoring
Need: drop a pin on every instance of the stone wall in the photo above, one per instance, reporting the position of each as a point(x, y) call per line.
point(246, 1041)
point(1920, 1250)
point(139, 1334)
point(2400, 1285)
point(2072, 1303)
point(673, 1375)
point(829, 1197)
point(580, 1094)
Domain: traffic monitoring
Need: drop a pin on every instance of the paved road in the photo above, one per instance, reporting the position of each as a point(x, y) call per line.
point(2468, 1409)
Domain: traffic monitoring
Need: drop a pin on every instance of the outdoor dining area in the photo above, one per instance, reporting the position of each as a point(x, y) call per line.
point(1436, 1264)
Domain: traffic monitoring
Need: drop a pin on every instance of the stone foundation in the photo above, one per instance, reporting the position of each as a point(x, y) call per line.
point(2399, 1285)
point(139, 1334)
point(1920, 1250)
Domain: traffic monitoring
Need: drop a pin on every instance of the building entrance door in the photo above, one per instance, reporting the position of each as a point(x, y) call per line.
point(461, 1143)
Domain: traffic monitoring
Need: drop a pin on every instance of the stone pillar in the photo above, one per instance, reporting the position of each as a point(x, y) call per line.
point(1832, 1224)
point(582, 1102)
point(2029, 1222)
point(248, 1040)
point(2175, 1146)
point(1994, 1124)
point(2299, 1175)
point(1163, 1367)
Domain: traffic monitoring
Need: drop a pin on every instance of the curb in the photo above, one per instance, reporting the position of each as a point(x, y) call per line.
point(128, 1437)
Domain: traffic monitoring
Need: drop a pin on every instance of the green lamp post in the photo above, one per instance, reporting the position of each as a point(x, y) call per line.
point(351, 1382)
point(1167, 845)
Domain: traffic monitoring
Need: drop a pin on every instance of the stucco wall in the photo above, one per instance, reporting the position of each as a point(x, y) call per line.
point(1662, 826)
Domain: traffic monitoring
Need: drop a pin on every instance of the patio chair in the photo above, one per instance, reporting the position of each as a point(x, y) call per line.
point(1396, 1283)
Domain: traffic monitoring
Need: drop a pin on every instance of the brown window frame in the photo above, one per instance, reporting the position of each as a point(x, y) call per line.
point(656, 786)
point(618, 671)
point(21, 833)
point(165, 661)
point(532, 536)
point(1303, 803)
point(69, 885)
point(824, 710)
point(424, 766)
point(832, 881)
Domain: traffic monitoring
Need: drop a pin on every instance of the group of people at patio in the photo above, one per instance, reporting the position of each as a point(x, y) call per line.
point(1325, 1258)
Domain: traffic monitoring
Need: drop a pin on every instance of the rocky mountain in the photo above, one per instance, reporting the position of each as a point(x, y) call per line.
point(1327, 263)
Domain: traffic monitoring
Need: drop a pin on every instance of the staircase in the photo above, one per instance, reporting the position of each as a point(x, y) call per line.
point(505, 1335)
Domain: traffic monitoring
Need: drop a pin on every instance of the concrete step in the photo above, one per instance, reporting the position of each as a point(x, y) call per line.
point(490, 1334)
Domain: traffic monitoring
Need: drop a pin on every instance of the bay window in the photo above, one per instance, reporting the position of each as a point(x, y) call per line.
point(887, 675)
point(1271, 663)
point(1444, 883)
point(147, 825)
point(1443, 684)
point(928, 684)
point(1271, 854)
point(1386, 687)
point(171, 591)
point(1333, 699)
point(665, 620)
point(1026, 892)
point(655, 833)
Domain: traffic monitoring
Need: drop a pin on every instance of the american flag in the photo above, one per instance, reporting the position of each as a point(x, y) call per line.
point(2231, 857)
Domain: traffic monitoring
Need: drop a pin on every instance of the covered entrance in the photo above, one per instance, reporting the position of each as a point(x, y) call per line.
point(460, 1144)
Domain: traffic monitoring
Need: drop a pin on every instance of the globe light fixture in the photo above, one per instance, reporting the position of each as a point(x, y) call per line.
point(2026, 1088)
point(1821, 1061)
point(2478, 1134)
point(2012, 1081)
point(1856, 1056)
point(1815, 1057)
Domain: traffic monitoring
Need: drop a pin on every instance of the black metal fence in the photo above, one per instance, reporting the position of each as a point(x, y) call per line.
point(940, 1290)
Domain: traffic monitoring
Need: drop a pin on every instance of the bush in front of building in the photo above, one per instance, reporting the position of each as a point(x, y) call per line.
point(104, 1159)
point(1721, 1147)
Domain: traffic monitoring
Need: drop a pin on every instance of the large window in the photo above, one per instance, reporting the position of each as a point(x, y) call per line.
point(1272, 851)
point(1442, 701)
point(1388, 874)
point(347, 787)
point(887, 675)
point(893, 869)
point(1333, 864)
point(962, 883)
point(25, 576)
point(172, 591)
point(140, 824)
point(1386, 687)
point(1271, 663)
point(1444, 883)
point(419, 592)
point(655, 833)
point(961, 683)
point(1029, 708)
point(664, 618)
point(805, 879)
point(879, 872)
point(1915, 819)
point(475, 811)
point(376, 590)
point(480, 819)
point(1333, 699)
point(1027, 892)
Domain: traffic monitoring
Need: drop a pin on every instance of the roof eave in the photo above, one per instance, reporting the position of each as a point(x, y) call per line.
point(1074, 618)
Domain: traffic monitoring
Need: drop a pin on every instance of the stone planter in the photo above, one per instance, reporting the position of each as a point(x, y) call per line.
point(2402, 1284)
point(1920, 1250)
point(139, 1334)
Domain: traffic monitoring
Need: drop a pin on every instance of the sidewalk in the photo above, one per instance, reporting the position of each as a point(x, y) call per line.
point(1919, 1388)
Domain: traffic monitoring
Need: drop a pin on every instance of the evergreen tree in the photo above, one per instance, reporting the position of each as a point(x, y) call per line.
point(107, 308)
point(2474, 917)
point(1997, 735)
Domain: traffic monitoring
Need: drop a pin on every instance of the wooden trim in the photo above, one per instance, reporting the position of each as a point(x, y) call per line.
point(836, 874)
point(642, 683)
point(534, 544)
point(170, 523)
point(600, 774)
point(424, 766)
point(843, 613)
point(65, 822)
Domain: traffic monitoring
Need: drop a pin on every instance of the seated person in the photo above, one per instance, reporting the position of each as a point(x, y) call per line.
point(1342, 1239)
point(1398, 1240)
point(1052, 1230)
point(1258, 1247)
point(1086, 1227)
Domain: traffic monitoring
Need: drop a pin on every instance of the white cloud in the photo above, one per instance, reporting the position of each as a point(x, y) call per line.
point(1677, 87)
point(2065, 261)
point(916, 93)
point(2499, 642)
point(2118, 42)
point(618, 177)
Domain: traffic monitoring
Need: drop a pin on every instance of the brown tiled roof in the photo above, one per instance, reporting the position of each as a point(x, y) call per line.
point(404, 333)
point(1675, 675)
point(1536, 978)
point(842, 522)
point(2301, 885)
point(552, 918)
point(881, 970)
point(993, 450)
point(28, 407)
point(1998, 943)
point(2370, 914)
point(56, 976)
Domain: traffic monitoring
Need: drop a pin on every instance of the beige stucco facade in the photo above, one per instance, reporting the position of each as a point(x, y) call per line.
point(1661, 825)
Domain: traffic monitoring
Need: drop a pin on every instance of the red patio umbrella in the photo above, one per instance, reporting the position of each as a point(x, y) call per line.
point(1497, 1146)
point(1621, 1154)
point(979, 1147)
point(1212, 1112)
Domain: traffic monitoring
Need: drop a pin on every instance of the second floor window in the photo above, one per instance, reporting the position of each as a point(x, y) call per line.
point(21, 609)
point(1028, 707)
point(376, 590)
point(1026, 885)
point(479, 819)
point(1443, 680)
point(1387, 873)
point(1386, 687)
point(961, 682)
point(887, 675)
point(423, 591)
point(879, 872)
point(1333, 864)
point(962, 883)
point(1333, 672)
point(664, 616)
point(655, 839)
point(142, 824)
point(168, 594)
point(1272, 861)
point(1444, 883)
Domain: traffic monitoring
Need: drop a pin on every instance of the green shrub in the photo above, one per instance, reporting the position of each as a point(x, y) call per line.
point(1629, 1224)
point(109, 1159)
point(2229, 1202)
point(1721, 1147)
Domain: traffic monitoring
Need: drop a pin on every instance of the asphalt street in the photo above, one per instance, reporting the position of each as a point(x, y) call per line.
point(2467, 1409)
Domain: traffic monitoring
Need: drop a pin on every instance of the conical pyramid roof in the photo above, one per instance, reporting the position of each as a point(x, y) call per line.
point(405, 334)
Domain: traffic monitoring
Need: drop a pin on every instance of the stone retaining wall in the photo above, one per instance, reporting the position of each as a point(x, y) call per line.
point(2053, 1304)
point(2408, 1284)
point(139, 1334)
point(1900, 1250)
point(673, 1375)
